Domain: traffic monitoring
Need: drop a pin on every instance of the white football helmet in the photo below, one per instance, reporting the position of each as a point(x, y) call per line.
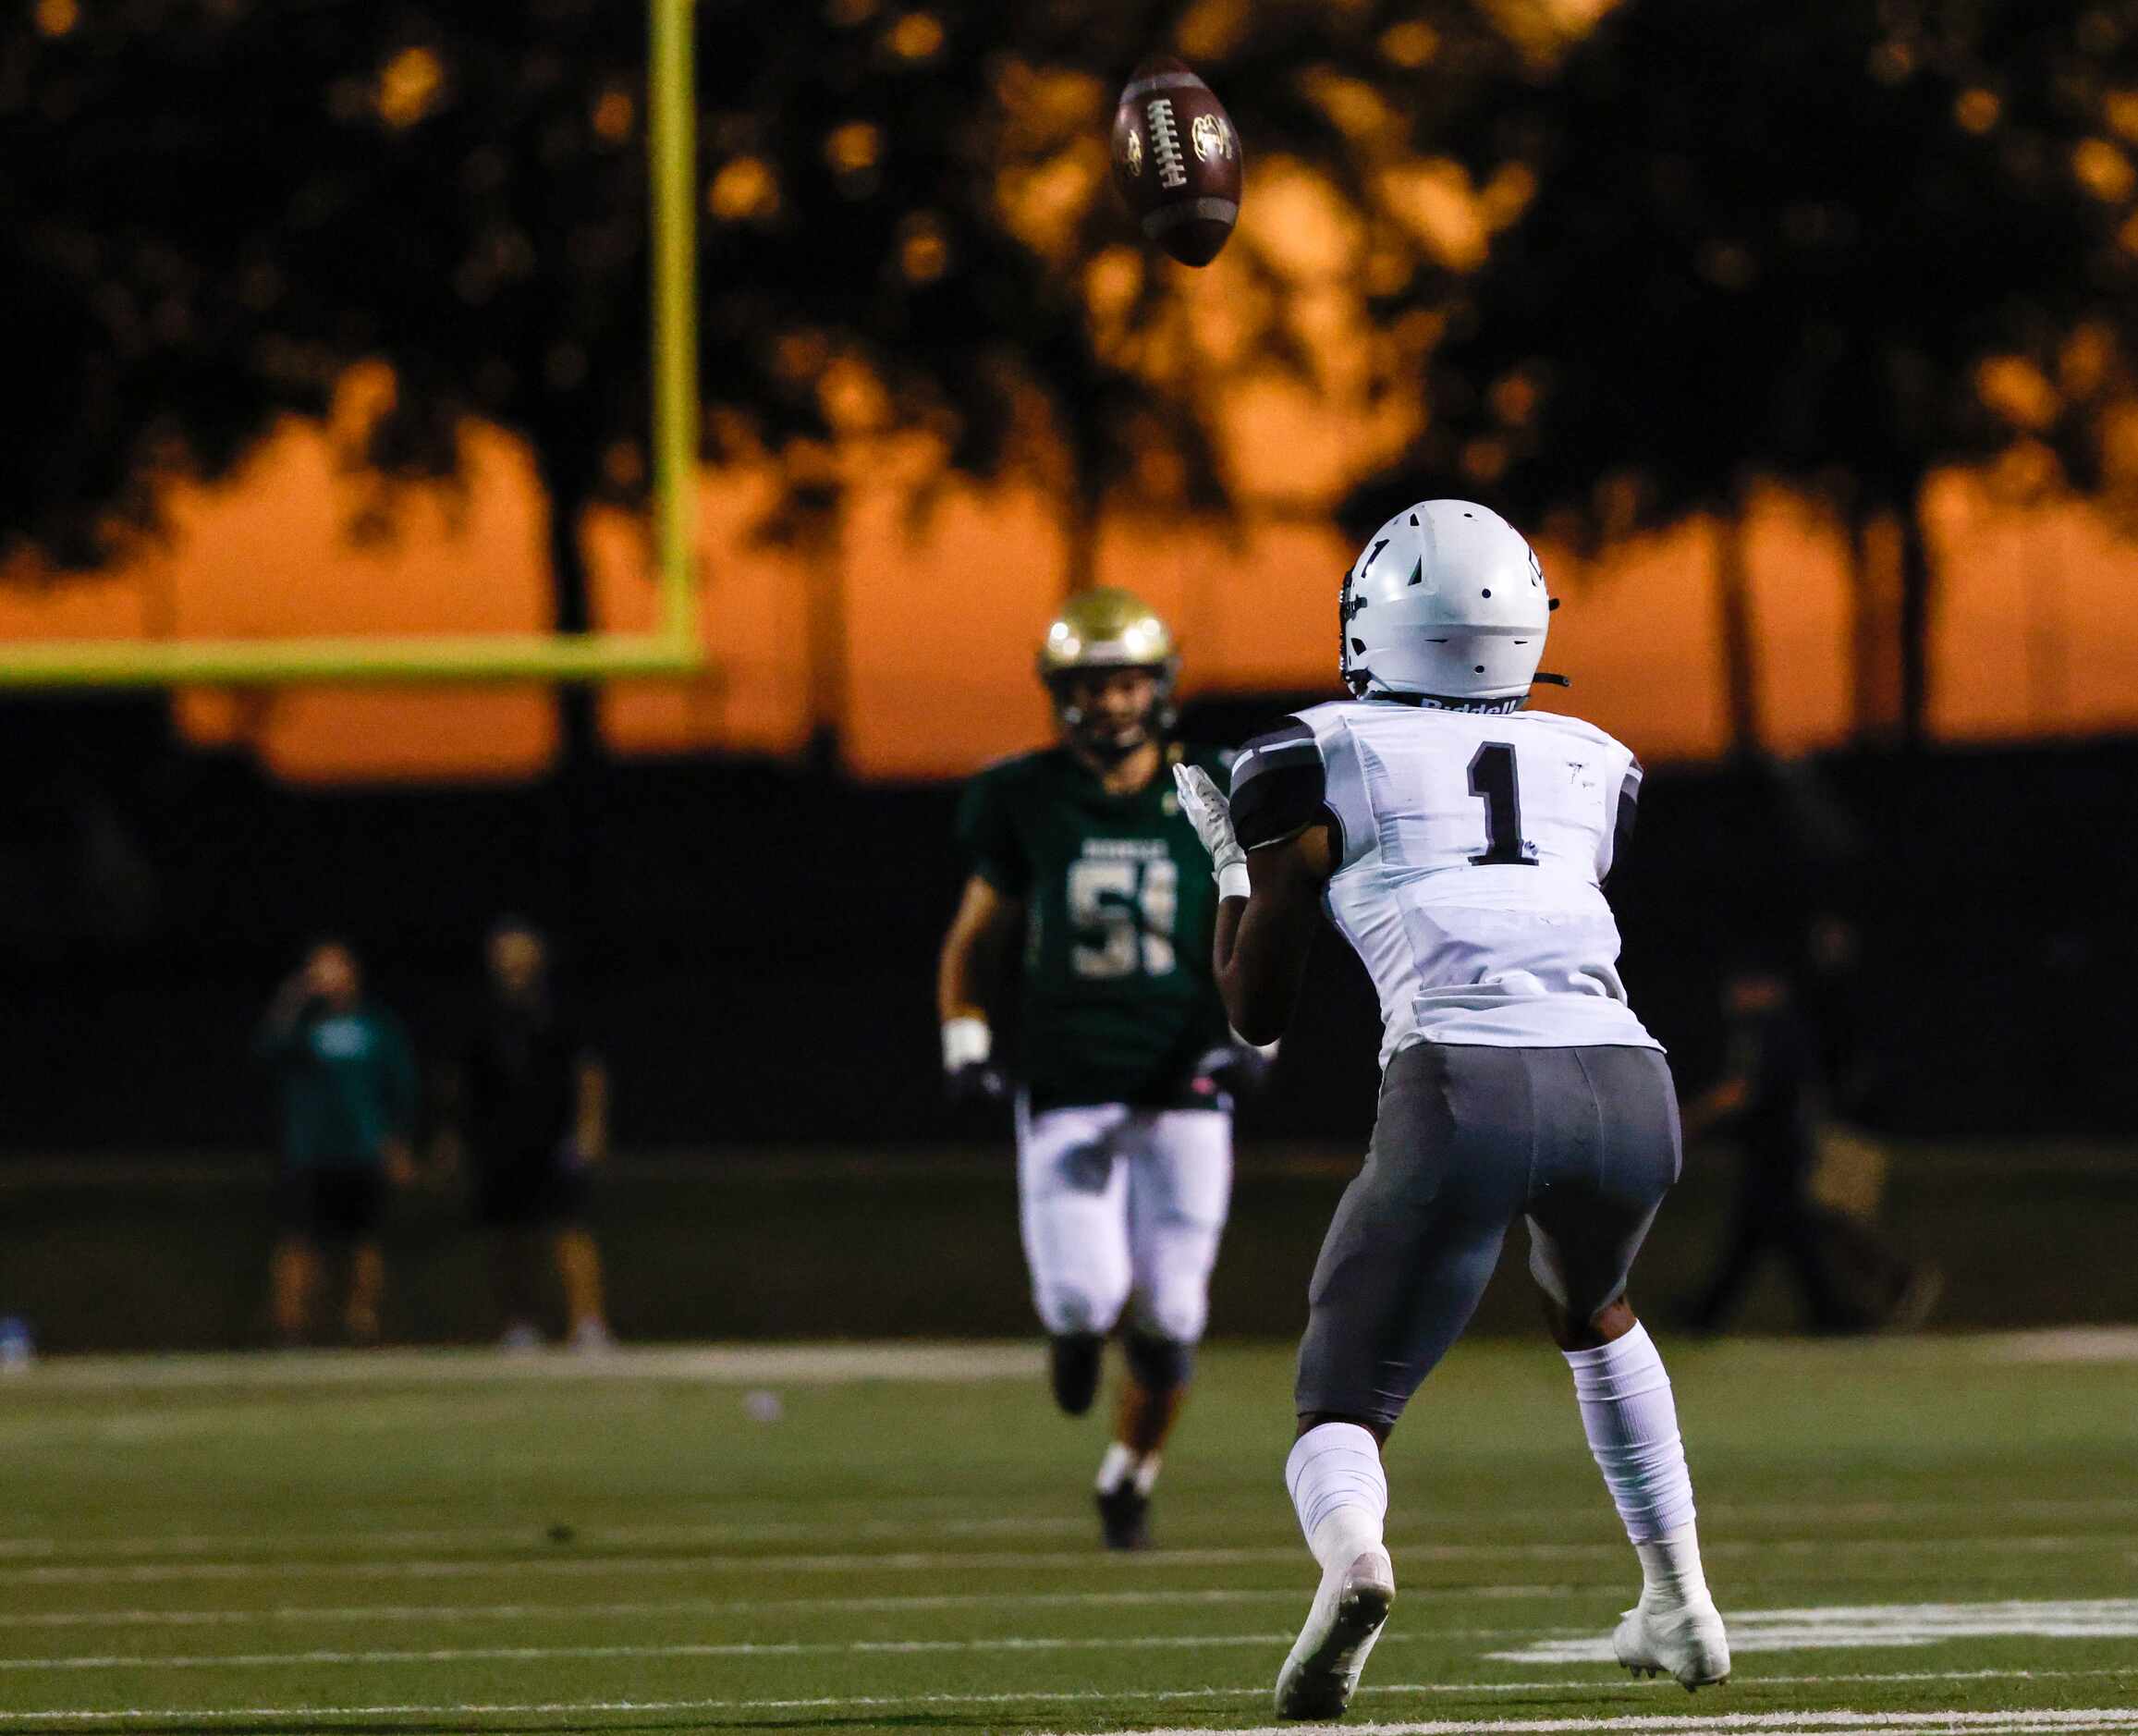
point(1445, 603)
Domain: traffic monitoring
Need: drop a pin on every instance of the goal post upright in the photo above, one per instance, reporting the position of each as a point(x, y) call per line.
point(671, 648)
point(672, 164)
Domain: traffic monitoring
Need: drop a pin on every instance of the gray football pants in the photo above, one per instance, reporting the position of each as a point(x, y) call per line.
point(1582, 1142)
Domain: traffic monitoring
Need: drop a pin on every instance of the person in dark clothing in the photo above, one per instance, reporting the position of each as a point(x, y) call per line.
point(348, 1107)
point(528, 1108)
point(1773, 1099)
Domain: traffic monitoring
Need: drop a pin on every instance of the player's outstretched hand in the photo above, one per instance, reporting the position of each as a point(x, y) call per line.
point(1211, 815)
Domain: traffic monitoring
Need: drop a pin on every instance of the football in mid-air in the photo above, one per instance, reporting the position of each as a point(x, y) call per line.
point(1177, 160)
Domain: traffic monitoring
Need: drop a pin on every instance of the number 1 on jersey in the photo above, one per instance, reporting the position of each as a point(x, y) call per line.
point(1493, 781)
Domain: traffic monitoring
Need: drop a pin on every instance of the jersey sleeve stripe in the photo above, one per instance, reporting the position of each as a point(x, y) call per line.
point(1279, 786)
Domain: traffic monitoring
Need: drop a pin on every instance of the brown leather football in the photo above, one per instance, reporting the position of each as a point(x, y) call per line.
point(1177, 160)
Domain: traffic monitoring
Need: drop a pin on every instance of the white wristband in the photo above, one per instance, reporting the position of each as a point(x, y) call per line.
point(967, 1042)
point(1232, 881)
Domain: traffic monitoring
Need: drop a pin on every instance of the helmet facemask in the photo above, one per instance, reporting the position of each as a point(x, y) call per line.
point(1109, 733)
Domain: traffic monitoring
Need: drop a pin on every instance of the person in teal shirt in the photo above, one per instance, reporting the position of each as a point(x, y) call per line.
point(348, 1111)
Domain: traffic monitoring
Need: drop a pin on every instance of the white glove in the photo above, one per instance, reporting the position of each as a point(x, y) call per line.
point(1211, 815)
point(967, 1065)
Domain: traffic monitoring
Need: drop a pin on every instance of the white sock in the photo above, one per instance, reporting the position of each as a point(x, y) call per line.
point(1632, 1422)
point(1671, 1570)
point(1121, 1465)
point(1340, 1491)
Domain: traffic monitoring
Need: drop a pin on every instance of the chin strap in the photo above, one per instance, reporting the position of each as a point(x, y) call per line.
point(1114, 753)
point(1553, 681)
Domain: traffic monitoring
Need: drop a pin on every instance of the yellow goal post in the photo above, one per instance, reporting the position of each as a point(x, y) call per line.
point(671, 648)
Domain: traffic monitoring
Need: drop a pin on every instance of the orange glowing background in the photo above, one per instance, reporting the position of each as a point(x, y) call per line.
point(940, 621)
point(2035, 637)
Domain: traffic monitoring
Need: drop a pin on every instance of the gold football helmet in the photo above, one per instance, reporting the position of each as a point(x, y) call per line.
point(1108, 629)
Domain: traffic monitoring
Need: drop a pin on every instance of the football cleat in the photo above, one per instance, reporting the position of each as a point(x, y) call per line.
point(1125, 1517)
point(1686, 1642)
point(1350, 1610)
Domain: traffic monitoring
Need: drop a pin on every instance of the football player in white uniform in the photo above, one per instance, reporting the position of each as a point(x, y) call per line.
point(1460, 844)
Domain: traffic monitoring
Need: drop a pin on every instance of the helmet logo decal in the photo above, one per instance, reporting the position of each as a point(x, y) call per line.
point(1371, 555)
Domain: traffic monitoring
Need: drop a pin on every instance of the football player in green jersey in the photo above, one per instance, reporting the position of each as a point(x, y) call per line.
point(1084, 869)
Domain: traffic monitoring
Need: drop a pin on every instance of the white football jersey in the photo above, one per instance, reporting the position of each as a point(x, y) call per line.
point(1473, 851)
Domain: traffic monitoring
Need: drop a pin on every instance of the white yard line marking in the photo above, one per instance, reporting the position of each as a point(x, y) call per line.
point(1844, 1627)
point(908, 1560)
point(577, 1566)
point(712, 1648)
point(680, 1608)
point(684, 1529)
point(532, 1536)
point(1731, 1721)
point(835, 1365)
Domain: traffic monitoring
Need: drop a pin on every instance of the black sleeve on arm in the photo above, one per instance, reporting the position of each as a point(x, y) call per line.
point(1629, 807)
point(1279, 786)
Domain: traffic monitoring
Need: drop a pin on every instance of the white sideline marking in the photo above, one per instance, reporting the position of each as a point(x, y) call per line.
point(682, 1607)
point(1733, 1722)
point(716, 1364)
point(2061, 1344)
point(914, 1560)
point(1839, 1627)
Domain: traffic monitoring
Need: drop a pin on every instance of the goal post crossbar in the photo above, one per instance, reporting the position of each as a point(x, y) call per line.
point(673, 647)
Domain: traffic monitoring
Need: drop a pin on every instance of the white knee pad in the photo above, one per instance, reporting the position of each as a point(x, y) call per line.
point(1066, 1307)
point(1181, 1185)
point(1073, 1198)
point(1178, 1310)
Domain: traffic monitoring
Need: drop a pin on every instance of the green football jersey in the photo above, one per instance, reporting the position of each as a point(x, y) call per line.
point(1118, 1000)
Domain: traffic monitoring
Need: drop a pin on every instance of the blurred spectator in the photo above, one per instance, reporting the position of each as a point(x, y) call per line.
point(1833, 1003)
point(349, 1104)
point(527, 1108)
point(1773, 1099)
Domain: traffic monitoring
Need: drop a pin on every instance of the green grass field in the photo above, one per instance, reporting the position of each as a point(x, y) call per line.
point(444, 1541)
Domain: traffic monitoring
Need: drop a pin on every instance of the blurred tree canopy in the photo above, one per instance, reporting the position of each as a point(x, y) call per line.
point(1833, 247)
point(217, 210)
point(1642, 269)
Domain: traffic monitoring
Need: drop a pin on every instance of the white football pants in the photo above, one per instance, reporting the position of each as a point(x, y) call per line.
point(1117, 1200)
